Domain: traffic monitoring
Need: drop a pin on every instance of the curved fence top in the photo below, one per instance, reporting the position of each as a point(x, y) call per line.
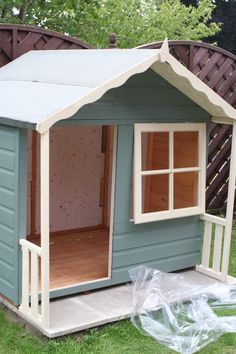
point(16, 40)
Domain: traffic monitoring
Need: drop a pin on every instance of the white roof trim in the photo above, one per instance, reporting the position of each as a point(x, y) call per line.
point(185, 81)
point(98, 92)
point(165, 65)
point(81, 77)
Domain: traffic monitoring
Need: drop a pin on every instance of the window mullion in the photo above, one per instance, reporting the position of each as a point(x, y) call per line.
point(155, 172)
point(171, 166)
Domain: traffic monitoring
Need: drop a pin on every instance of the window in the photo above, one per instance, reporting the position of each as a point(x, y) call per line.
point(169, 171)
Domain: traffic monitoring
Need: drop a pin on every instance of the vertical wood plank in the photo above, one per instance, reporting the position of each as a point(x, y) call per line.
point(149, 159)
point(44, 225)
point(25, 279)
point(33, 183)
point(217, 248)
point(34, 286)
point(105, 191)
point(112, 203)
point(230, 207)
point(206, 248)
point(171, 166)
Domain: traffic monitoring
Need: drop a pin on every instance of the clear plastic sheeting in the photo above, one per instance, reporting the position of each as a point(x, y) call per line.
point(179, 313)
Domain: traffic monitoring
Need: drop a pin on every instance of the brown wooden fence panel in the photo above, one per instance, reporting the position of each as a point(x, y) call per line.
point(16, 40)
point(217, 68)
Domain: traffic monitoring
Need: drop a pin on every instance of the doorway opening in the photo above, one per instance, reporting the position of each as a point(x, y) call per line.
point(81, 164)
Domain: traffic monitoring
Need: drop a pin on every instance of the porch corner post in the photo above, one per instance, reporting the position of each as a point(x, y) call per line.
point(230, 207)
point(44, 225)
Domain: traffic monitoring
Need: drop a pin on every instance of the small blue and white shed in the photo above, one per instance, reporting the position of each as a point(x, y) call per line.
point(102, 167)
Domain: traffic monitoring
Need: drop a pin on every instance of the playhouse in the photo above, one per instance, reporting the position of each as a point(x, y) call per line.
point(102, 167)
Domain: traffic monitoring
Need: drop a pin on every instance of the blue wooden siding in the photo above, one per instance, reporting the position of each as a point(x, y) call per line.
point(144, 97)
point(167, 245)
point(10, 221)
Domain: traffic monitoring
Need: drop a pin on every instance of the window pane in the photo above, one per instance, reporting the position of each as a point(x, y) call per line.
point(185, 189)
point(185, 149)
point(155, 193)
point(155, 151)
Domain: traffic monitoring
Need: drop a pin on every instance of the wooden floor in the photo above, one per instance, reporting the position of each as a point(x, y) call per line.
point(78, 257)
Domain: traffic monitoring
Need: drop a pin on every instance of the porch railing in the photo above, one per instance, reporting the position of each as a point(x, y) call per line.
point(33, 289)
point(213, 247)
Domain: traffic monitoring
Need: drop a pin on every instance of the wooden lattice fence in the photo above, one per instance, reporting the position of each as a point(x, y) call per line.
point(214, 66)
point(16, 40)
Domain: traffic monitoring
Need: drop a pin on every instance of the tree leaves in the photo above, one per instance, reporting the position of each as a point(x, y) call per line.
point(135, 21)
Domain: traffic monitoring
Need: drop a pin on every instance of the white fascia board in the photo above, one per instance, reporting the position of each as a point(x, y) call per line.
point(190, 85)
point(222, 120)
point(97, 92)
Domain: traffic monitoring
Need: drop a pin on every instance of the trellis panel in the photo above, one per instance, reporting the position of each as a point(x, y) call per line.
point(16, 40)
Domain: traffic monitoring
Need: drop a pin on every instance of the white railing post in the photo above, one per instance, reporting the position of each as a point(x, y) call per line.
point(230, 207)
point(25, 279)
point(30, 284)
point(44, 226)
point(211, 263)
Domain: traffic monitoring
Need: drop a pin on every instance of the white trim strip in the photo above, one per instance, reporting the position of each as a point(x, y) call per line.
point(230, 207)
point(206, 247)
point(174, 170)
point(44, 225)
point(112, 201)
point(216, 262)
point(25, 280)
point(213, 219)
point(30, 246)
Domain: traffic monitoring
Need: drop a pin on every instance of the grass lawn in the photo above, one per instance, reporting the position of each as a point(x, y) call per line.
point(118, 338)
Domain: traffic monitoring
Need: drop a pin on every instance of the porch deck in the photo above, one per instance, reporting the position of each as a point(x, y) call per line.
point(80, 312)
point(77, 257)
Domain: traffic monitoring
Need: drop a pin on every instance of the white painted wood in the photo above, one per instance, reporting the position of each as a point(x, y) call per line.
point(171, 166)
point(25, 279)
point(166, 215)
point(213, 219)
point(175, 170)
point(170, 127)
point(206, 248)
point(176, 74)
point(209, 272)
point(34, 286)
point(137, 185)
point(140, 217)
point(30, 246)
point(216, 262)
point(202, 164)
point(44, 225)
point(155, 172)
point(112, 203)
point(230, 207)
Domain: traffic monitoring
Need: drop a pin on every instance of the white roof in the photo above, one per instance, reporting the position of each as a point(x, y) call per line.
point(43, 87)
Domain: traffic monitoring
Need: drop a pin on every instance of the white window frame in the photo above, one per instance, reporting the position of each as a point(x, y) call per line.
point(140, 217)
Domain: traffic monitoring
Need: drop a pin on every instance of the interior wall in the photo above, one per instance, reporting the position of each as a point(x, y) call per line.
point(76, 168)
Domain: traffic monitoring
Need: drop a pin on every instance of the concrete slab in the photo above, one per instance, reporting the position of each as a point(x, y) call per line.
point(76, 313)
point(79, 312)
